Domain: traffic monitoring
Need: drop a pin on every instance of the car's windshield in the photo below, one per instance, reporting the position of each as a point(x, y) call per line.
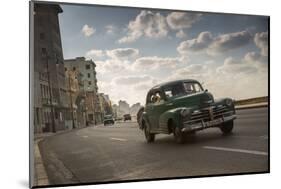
point(108, 116)
point(180, 89)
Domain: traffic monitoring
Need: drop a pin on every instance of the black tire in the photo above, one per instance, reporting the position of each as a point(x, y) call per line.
point(150, 137)
point(179, 135)
point(227, 127)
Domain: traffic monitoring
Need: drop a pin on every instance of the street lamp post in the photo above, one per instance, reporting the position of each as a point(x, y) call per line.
point(50, 93)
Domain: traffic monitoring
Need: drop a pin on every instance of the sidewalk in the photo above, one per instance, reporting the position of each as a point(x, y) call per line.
point(40, 175)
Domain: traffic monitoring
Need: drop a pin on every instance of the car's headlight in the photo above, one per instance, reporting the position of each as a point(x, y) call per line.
point(228, 102)
point(185, 112)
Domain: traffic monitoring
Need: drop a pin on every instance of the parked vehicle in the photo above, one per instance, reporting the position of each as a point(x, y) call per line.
point(108, 119)
point(127, 117)
point(182, 107)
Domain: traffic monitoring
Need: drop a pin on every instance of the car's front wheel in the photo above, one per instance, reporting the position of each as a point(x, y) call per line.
point(150, 137)
point(227, 127)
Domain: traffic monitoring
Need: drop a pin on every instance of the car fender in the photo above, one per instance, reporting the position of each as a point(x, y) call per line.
point(172, 114)
point(145, 120)
point(222, 101)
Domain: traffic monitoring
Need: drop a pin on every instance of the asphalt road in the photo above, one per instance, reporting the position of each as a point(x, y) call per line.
point(119, 152)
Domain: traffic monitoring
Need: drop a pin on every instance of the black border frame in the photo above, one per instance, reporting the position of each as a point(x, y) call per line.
point(31, 135)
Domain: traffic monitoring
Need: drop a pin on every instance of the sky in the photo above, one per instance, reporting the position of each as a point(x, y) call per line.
point(135, 49)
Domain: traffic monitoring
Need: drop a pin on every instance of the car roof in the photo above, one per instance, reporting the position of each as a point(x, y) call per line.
point(172, 83)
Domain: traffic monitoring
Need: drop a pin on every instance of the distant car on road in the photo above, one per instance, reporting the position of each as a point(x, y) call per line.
point(182, 107)
point(108, 119)
point(127, 117)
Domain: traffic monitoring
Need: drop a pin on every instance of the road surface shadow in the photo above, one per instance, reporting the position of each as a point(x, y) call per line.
point(200, 137)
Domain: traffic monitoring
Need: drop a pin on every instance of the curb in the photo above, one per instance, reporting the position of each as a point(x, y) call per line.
point(40, 174)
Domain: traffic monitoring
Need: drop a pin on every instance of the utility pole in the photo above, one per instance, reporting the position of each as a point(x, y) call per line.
point(50, 93)
point(71, 104)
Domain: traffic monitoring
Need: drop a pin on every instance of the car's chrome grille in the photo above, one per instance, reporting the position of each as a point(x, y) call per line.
point(219, 111)
point(207, 114)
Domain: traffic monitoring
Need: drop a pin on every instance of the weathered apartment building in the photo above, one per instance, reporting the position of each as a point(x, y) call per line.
point(88, 77)
point(50, 104)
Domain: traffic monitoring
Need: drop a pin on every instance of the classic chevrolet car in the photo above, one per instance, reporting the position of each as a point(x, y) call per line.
point(182, 107)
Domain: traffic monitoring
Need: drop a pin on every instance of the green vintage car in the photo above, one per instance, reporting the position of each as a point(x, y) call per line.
point(181, 107)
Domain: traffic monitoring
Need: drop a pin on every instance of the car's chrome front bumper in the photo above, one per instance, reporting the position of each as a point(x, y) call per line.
point(204, 125)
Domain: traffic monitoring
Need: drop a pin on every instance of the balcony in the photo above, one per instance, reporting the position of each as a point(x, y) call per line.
point(47, 102)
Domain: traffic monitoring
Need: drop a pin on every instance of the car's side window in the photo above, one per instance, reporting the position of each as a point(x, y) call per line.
point(197, 87)
point(150, 98)
point(153, 98)
point(158, 97)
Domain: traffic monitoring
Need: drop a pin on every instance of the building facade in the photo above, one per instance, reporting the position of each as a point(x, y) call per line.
point(50, 103)
point(89, 80)
point(76, 117)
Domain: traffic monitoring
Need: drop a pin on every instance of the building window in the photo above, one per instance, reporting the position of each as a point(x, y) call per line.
point(90, 82)
point(73, 68)
point(42, 36)
point(44, 51)
point(56, 115)
point(89, 75)
point(88, 66)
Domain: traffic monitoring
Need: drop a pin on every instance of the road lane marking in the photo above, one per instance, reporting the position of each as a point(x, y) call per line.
point(85, 136)
point(236, 150)
point(119, 139)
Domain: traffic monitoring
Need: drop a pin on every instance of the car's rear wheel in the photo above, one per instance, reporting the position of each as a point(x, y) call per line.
point(179, 135)
point(150, 137)
point(227, 127)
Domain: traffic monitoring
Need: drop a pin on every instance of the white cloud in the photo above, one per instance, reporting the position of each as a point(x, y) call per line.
point(94, 54)
point(230, 41)
point(235, 78)
point(111, 67)
point(132, 88)
point(123, 53)
point(257, 59)
point(181, 20)
point(235, 66)
point(231, 61)
point(202, 42)
point(154, 62)
point(87, 30)
point(261, 40)
point(214, 45)
point(132, 80)
point(147, 23)
point(181, 34)
point(253, 57)
point(110, 29)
